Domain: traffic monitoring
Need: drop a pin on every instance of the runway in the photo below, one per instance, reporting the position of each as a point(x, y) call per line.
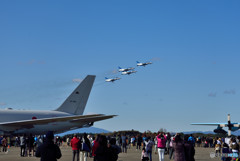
point(132, 155)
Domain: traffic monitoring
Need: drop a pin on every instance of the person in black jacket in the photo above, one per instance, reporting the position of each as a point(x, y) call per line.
point(189, 149)
point(102, 150)
point(49, 151)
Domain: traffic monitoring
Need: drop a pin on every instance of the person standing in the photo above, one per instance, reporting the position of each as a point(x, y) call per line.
point(144, 155)
point(218, 146)
point(101, 153)
point(49, 151)
point(4, 144)
point(139, 142)
point(178, 146)
point(95, 146)
point(113, 150)
point(68, 141)
point(75, 147)
point(235, 149)
point(31, 145)
point(86, 148)
point(1, 137)
point(22, 145)
point(161, 138)
point(189, 149)
point(149, 144)
point(17, 141)
point(171, 151)
point(225, 152)
point(192, 140)
point(124, 143)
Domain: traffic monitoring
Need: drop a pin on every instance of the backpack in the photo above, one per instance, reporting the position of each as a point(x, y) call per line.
point(149, 146)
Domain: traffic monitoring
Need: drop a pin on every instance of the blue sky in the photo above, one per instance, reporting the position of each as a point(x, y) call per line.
point(194, 47)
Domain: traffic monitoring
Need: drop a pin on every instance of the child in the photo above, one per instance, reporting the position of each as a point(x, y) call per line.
point(225, 153)
point(144, 156)
point(218, 147)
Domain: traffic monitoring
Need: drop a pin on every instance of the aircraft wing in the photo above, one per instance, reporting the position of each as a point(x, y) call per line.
point(211, 124)
point(93, 119)
point(83, 118)
point(236, 125)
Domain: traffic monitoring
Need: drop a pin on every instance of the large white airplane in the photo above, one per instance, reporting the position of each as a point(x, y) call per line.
point(231, 126)
point(125, 69)
point(67, 117)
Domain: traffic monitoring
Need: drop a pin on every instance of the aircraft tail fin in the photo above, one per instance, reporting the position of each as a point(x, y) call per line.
point(76, 102)
point(119, 67)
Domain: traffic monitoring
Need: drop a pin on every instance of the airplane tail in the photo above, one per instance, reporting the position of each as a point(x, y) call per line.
point(76, 102)
point(119, 68)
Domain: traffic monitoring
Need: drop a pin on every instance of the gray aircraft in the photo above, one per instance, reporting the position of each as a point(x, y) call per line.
point(231, 126)
point(67, 117)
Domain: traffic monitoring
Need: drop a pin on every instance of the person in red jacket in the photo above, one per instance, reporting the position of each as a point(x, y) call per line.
point(95, 146)
point(75, 147)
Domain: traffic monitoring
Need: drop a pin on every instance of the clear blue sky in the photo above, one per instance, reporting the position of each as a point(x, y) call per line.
point(194, 46)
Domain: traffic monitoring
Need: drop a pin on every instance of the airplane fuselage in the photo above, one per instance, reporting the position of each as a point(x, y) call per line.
point(20, 115)
point(17, 115)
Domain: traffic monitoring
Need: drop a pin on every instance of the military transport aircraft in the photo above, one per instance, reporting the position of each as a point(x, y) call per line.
point(143, 64)
point(219, 129)
point(68, 116)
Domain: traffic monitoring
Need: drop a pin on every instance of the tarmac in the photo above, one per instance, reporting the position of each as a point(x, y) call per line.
point(206, 154)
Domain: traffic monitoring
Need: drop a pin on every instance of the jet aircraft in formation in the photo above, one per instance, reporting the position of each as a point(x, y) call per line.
point(126, 71)
point(129, 72)
point(143, 64)
point(67, 117)
point(111, 79)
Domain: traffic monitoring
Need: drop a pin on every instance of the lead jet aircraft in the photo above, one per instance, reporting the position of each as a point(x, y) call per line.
point(143, 64)
point(67, 117)
point(111, 79)
point(125, 69)
point(219, 129)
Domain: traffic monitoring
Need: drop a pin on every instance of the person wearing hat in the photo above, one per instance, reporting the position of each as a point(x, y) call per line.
point(49, 151)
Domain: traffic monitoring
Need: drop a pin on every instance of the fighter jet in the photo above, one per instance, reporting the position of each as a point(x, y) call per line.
point(143, 64)
point(219, 129)
point(111, 79)
point(68, 116)
point(129, 72)
point(125, 69)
